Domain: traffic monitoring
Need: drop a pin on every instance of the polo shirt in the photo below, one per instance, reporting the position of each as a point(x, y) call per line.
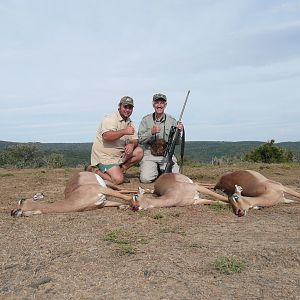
point(112, 152)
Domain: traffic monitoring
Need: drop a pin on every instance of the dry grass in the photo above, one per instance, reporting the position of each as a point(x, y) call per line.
point(167, 253)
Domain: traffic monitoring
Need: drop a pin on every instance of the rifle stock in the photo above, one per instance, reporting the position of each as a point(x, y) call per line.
point(171, 148)
point(173, 137)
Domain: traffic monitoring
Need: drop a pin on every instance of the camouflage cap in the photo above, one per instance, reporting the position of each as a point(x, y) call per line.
point(126, 100)
point(159, 97)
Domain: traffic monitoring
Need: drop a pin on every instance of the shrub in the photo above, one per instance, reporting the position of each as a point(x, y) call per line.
point(269, 153)
point(55, 160)
point(22, 155)
point(229, 266)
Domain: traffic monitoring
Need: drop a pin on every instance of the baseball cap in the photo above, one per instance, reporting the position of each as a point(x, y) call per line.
point(159, 97)
point(126, 100)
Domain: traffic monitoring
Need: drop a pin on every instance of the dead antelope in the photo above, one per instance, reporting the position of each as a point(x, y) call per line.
point(249, 189)
point(87, 191)
point(84, 191)
point(173, 189)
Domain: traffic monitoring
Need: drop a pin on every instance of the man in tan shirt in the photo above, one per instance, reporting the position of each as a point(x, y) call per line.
point(115, 148)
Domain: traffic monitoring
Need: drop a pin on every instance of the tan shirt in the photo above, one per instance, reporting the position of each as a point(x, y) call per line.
point(112, 152)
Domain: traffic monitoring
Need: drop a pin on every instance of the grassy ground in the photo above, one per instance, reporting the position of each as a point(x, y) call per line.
point(195, 252)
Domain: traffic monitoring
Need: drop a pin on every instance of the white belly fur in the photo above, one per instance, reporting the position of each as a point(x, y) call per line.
point(101, 198)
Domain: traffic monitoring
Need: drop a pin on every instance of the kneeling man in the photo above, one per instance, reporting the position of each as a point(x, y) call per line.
point(115, 148)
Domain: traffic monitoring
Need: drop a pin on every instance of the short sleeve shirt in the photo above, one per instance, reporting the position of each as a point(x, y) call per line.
point(111, 152)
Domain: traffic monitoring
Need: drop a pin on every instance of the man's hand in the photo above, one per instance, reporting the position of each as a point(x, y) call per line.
point(179, 126)
point(155, 129)
point(112, 135)
point(129, 130)
point(129, 149)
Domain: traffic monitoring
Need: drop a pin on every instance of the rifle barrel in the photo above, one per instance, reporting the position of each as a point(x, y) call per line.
point(186, 98)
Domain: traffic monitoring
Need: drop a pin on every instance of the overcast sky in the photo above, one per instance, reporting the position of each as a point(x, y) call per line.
point(64, 64)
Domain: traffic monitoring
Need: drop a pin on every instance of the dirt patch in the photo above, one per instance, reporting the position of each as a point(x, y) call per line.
point(170, 253)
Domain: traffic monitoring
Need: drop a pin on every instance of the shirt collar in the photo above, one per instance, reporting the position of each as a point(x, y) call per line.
point(120, 117)
point(161, 120)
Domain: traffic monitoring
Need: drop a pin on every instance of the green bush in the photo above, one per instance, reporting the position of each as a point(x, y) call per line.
point(55, 160)
point(269, 153)
point(22, 155)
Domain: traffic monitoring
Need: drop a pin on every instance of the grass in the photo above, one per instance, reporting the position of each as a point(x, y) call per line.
point(218, 206)
point(125, 250)
point(175, 214)
point(6, 175)
point(157, 216)
point(125, 246)
point(116, 236)
point(176, 230)
point(229, 265)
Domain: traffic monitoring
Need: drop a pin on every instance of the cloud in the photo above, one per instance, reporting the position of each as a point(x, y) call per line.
point(65, 64)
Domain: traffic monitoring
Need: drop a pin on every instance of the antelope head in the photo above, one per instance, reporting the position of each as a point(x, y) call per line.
point(136, 199)
point(240, 208)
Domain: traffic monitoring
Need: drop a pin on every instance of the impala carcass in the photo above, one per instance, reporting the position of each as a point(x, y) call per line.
point(87, 191)
point(84, 191)
point(249, 189)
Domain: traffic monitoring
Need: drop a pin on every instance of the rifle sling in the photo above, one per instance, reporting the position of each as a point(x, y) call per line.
point(182, 150)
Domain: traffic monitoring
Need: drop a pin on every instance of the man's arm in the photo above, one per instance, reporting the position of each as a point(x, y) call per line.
point(110, 136)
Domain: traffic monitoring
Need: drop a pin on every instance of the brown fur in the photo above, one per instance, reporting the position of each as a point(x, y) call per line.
point(174, 189)
point(257, 190)
point(82, 192)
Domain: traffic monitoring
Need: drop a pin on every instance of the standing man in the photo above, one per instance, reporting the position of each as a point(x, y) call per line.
point(115, 148)
point(153, 134)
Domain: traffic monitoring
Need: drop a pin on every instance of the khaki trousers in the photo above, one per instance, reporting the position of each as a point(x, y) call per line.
point(150, 165)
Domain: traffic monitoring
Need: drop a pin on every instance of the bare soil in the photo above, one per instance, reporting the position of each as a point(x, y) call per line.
point(166, 253)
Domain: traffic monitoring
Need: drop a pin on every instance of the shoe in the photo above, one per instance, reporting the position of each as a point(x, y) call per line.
point(126, 180)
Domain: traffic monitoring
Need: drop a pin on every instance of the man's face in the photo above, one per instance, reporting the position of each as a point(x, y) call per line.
point(159, 106)
point(125, 111)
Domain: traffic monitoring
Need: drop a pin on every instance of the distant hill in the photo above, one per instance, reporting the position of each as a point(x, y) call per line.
point(204, 151)
point(201, 151)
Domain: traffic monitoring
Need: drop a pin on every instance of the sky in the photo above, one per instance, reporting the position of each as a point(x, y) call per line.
point(65, 64)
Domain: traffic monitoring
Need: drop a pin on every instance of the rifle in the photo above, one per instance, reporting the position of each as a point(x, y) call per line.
point(173, 137)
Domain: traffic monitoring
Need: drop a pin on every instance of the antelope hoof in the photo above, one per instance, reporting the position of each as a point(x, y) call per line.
point(16, 213)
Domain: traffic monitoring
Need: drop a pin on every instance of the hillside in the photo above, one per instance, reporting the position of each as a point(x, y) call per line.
point(201, 151)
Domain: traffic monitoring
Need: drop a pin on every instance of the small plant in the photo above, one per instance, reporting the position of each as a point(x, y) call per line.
point(6, 175)
point(142, 213)
point(218, 206)
point(124, 243)
point(157, 216)
point(127, 249)
point(113, 236)
point(230, 266)
point(176, 214)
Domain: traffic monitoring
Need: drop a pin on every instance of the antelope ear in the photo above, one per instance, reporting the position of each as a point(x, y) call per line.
point(38, 196)
point(141, 191)
point(238, 189)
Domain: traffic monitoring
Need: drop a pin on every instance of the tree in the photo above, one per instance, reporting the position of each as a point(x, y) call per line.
point(22, 155)
point(269, 153)
point(55, 160)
